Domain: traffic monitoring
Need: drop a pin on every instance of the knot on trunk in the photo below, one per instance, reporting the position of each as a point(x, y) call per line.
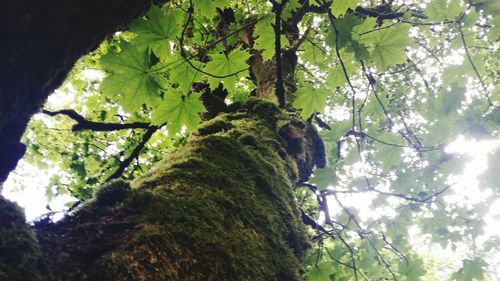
point(302, 141)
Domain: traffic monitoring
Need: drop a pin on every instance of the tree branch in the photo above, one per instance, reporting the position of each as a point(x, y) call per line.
point(188, 60)
point(84, 124)
point(135, 153)
point(280, 89)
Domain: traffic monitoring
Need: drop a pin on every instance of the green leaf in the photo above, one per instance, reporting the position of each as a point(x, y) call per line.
point(208, 8)
point(471, 270)
point(265, 38)
point(322, 272)
point(344, 26)
point(361, 50)
point(340, 7)
point(435, 224)
point(290, 7)
point(310, 100)
point(178, 109)
point(388, 45)
point(129, 76)
point(324, 177)
point(440, 10)
point(390, 154)
point(264, 34)
point(337, 76)
point(233, 66)
point(154, 32)
point(494, 32)
point(448, 102)
point(184, 75)
point(359, 30)
point(412, 269)
point(491, 7)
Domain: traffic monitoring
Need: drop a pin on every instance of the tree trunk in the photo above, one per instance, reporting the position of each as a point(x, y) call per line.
point(220, 208)
point(41, 41)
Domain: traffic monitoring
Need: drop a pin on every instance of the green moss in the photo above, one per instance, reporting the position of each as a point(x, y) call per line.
point(112, 193)
point(215, 126)
point(19, 251)
point(220, 208)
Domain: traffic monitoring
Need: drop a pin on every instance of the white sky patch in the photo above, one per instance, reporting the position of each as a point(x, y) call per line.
point(467, 184)
point(27, 186)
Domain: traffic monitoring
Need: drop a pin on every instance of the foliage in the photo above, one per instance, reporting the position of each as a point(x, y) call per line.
point(192, 218)
point(395, 83)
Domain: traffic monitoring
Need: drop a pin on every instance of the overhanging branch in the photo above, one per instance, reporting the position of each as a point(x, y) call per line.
point(84, 124)
point(135, 153)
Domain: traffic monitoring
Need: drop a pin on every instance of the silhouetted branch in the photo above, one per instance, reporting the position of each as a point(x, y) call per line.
point(188, 60)
point(84, 124)
point(280, 88)
point(400, 195)
point(135, 153)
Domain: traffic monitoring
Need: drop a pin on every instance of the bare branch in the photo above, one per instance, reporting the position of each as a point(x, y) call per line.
point(84, 124)
point(135, 153)
point(280, 88)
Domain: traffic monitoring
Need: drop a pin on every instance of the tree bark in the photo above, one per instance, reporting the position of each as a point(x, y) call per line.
point(220, 208)
point(41, 41)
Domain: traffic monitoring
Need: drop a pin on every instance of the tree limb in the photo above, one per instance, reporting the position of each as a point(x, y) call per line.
point(135, 153)
point(84, 124)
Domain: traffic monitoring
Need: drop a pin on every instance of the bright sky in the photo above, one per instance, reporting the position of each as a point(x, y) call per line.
point(27, 185)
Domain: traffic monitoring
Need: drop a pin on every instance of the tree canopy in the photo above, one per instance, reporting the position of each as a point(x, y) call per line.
point(389, 85)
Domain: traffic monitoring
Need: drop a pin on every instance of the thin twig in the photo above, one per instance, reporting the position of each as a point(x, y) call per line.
point(183, 51)
point(469, 58)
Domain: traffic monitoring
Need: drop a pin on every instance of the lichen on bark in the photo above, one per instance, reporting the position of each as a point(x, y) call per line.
point(219, 208)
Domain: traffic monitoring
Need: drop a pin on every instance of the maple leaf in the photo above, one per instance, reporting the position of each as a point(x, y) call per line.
point(208, 8)
point(178, 109)
point(388, 45)
point(130, 77)
point(155, 32)
point(340, 7)
point(310, 100)
point(233, 66)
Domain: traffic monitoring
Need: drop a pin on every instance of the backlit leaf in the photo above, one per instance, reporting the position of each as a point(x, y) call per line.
point(340, 7)
point(230, 67)
point(310, 100)
point(155, 32)
point(444, 9)
point(129, 76)
point(388, 45)
point(178, 109)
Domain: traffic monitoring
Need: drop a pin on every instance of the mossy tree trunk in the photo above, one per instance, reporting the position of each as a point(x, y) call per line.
point(220, 208)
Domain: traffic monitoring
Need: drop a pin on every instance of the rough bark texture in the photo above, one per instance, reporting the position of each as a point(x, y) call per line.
point(41, 41)
point(220, 208)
